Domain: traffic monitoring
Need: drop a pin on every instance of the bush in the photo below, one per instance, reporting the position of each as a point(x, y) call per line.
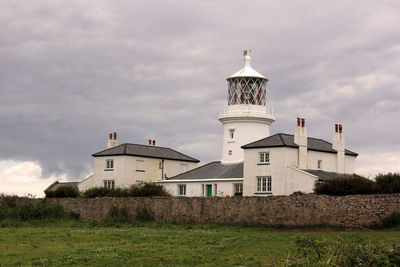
point(116, 216)
point(346, 186)
point(390, 221)
point(106, 192)
point(63, 191)
point(388, 183)
point(146, 190)
point(144, 215)
point(298, 193)
point(36, 211)
point(352, 251)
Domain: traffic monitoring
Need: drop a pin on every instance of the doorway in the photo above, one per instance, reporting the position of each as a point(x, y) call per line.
point(209, 190)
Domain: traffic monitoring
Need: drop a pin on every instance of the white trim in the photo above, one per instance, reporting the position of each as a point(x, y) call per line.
point(299, 170)
point(201, 180)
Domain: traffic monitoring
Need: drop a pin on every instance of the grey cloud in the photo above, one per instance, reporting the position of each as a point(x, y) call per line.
point(73, 71)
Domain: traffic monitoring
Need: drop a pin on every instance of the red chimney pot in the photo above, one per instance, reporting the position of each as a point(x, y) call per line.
point(303, 122)
point(115, 135)
point(154, 142)
point(110, 136)
point(298, 122)
point(149, 142)
point(336, 128)
point(340, 128)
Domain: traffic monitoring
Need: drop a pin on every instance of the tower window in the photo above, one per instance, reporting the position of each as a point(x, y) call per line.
point(231, 133)
point(264, 184)
point(319, 163)
point(230, 152)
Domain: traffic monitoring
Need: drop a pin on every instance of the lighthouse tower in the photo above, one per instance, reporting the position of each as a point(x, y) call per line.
point(247, 116)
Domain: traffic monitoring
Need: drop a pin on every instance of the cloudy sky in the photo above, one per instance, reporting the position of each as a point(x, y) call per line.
point(73, 71)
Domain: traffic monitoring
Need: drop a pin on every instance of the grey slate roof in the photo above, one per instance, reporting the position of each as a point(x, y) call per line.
point(287, 140)
point(145, 151)
point(324, 176)
point(212, 170)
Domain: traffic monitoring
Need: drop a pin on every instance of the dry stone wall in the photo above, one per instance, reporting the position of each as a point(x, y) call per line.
point(356, 210)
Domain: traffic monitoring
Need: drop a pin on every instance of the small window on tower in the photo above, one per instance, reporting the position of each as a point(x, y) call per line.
point(319, 163)
point(231, 133)
point(230, 152)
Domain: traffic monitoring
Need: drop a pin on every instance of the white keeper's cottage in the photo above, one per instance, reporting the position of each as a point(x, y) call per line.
point(253, 163)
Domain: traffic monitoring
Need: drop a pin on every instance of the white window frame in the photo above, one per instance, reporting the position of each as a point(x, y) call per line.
point(202, 189)
point(263, 157)
point(215, 189)
point(238, 192)
point(181, 192)
point(109, 184)
point(109, 164)
point(264, 184)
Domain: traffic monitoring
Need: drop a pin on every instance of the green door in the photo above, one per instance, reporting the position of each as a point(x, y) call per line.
point(209, 190)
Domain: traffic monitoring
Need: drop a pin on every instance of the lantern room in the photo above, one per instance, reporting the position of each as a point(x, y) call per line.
point(247, 86)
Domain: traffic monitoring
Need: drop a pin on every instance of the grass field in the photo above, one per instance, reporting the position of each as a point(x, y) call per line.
point(157, 244)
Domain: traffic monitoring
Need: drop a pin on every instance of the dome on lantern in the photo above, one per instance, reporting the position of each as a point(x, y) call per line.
point(247, 71)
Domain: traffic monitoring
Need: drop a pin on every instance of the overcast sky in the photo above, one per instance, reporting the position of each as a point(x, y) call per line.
point(73, 71)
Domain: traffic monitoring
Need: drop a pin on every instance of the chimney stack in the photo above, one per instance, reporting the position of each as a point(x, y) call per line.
point(338, 145)
point(300, 139)
point(112, 142)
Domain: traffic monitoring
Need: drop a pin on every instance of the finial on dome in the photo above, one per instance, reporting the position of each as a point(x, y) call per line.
point(247, 58)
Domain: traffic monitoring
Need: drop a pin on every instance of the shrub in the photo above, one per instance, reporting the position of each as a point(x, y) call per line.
point(36, 211)
point(388, 183)
point(147, 190)
point(346, 186)
point(298, 193)
point(116, 216)
point(106, 192)
point(390, 221)
point(144, 215)
point(63, 191)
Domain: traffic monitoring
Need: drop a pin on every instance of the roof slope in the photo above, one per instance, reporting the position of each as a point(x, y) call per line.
point(324, 176)
point(287, 140)
point(145, 151)
point(212, 170)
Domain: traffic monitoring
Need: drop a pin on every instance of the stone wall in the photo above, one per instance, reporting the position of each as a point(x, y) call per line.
point(353, 210)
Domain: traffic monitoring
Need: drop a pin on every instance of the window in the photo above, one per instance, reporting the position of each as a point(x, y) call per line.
point(109, 163)
point(264, 157)
point(109, 184)
point(182, 190)
point(230, 152)
point(140, 165)
point(264, 184)
point(215, 190)
point(231, 133)
point(319, 163)
point(237, 189)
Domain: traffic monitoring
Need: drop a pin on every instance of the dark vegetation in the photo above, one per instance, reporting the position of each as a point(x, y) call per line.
point(63, 191)
point(11, 210)
point(145, 190)
point(382, 184)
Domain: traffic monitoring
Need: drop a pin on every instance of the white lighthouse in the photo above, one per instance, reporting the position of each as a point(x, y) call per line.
point(247, 116)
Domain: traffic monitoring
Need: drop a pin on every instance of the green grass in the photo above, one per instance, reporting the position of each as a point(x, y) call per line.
point(154, 244)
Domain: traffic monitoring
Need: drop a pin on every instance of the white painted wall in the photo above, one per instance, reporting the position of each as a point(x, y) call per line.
point(249, 122)
point(126, 173)
point(194, 188)
point(283, 161)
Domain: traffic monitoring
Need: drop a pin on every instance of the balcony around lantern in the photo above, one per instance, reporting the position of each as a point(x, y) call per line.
point(247, 111)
